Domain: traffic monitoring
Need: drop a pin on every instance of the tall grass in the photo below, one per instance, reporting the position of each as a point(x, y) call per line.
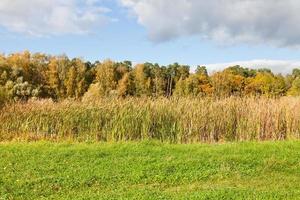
point(184, 120)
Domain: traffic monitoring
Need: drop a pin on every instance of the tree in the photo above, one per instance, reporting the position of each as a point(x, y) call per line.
point(295, 89)
point(121, 69)
point(201, 70)
point(70, 82)
point(142, 79)
point(205, 86)
point(180, 89)
point(279, 86)
point(106, 77)
point(175, 72)
point(192, 85)
point(22, 90)
point(58, 77)
point(53, 78)
point(296, 73)
point(93, 94)
point(159, 80)
point(90, 73)
point(267, 84)
point(126, 86)
point(80, 77)
point(38, 65)
point(241, 71)
point(226, 84)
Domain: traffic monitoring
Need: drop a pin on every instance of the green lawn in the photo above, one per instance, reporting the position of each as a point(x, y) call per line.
point(150, 170)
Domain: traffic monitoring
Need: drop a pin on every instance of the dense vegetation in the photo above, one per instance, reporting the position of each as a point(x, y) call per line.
point(150, 171)
point(176, 120)
point(45, 97)
point(113, 101)
point(25, 75)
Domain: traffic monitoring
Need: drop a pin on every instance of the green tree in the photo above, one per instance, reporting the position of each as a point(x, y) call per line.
point(295, 89)
point(22, 90)
point(241, 71)
point(175, 72)
point(296, 73)
point(159, 80)
point(193, 85)
point(201, 70)
point(180, 89)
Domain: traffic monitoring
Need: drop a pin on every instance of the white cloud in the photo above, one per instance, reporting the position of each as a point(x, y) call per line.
point(275, 22)
point(51, 17)
point(277, 66)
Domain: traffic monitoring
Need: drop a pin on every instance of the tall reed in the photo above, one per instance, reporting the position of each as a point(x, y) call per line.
point(183, 120)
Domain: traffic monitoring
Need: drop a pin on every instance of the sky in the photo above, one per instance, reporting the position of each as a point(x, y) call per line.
point(215, 33)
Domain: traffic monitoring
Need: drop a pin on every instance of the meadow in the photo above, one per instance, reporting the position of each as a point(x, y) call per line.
point(146, 148)
point(174, 120)
point(149, 170)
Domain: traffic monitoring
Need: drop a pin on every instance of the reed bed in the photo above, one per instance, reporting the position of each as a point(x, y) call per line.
point(176, 120)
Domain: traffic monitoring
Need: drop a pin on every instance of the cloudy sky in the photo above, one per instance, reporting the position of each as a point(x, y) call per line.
point(217, 33)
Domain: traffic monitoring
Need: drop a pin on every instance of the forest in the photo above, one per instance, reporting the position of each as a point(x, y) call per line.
point(25, 75)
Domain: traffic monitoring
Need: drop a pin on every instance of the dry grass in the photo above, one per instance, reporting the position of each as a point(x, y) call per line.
point(184, 120)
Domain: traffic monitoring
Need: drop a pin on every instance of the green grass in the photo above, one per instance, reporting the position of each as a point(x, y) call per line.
point(150, 170)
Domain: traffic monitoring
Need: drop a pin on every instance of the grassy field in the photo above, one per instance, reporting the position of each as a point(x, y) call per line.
point(150, 170)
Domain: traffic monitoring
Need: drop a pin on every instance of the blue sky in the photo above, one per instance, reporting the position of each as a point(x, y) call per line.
point(147, 31)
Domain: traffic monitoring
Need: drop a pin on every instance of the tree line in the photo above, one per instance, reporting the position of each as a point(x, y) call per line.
point(25, 75)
